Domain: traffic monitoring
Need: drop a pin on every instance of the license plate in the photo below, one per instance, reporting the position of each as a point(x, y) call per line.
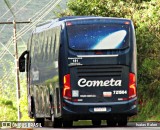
point(100, 109)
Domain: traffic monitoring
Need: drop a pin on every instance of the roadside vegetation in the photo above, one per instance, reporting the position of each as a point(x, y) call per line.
point(8, 96)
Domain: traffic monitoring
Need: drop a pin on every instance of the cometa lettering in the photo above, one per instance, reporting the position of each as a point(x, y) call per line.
point(99, 83)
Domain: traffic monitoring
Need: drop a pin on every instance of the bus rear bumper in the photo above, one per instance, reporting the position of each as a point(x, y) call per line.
point(86, 111)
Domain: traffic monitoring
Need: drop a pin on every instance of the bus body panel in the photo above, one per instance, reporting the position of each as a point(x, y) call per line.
point(44, 72)
point(99, 78)
point(92, 74)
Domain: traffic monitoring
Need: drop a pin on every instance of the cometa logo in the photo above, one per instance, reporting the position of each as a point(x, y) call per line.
point(99, 83)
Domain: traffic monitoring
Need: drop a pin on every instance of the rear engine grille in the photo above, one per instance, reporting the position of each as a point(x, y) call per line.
point(100, 71)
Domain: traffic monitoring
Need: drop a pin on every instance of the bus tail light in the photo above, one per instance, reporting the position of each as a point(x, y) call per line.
point(67, 87)
point(132, 86)
point(68, 23)
point(127, 22)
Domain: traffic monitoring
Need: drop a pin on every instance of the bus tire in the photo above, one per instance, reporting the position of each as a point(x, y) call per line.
point(39, 120)
point(111, 122)
point(57, 123)
point(96, 123)
point(32, 108)
point(122, 122)
point(67, 124)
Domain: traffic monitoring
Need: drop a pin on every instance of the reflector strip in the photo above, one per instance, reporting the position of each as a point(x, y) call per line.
point(97, 55)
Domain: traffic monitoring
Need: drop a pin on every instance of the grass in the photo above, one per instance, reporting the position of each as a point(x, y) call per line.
point(86, 123)
point(149, 111)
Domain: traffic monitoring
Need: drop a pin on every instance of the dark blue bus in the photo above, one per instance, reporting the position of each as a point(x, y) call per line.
point(82, 68)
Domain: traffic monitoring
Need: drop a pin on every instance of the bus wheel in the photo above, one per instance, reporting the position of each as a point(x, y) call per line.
point(96, 122)
point(111, 122)
point(123, 121)
point(39, 120)
point(67, 124)
point(57, 123)
point(31, 106)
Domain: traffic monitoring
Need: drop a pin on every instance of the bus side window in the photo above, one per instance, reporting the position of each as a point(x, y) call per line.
point(28, 56)
point(53, 45)
point(42, 48)
point(38, 46)
point(49, 46)
point(46, 49)
point(32, 50)
point(36, 50)
point(50, 49)
point(58, 29)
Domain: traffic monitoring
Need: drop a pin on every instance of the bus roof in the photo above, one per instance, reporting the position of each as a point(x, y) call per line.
point(44, 26)
point(70, 18)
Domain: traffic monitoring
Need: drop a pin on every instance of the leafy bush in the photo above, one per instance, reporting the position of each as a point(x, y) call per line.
point(8, 94)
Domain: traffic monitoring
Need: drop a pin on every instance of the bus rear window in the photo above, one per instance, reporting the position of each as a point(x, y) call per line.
point(98, 36)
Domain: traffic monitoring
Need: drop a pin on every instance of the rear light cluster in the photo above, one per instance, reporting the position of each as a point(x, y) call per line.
point(68, 23)
point(132, 86)
point(67, 87)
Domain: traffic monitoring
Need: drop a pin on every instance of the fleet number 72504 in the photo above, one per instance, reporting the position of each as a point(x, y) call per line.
point(120, 92)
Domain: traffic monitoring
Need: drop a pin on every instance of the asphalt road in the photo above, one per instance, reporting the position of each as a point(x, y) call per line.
point(91, 128)
point(130, 126)
point(102, 128)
